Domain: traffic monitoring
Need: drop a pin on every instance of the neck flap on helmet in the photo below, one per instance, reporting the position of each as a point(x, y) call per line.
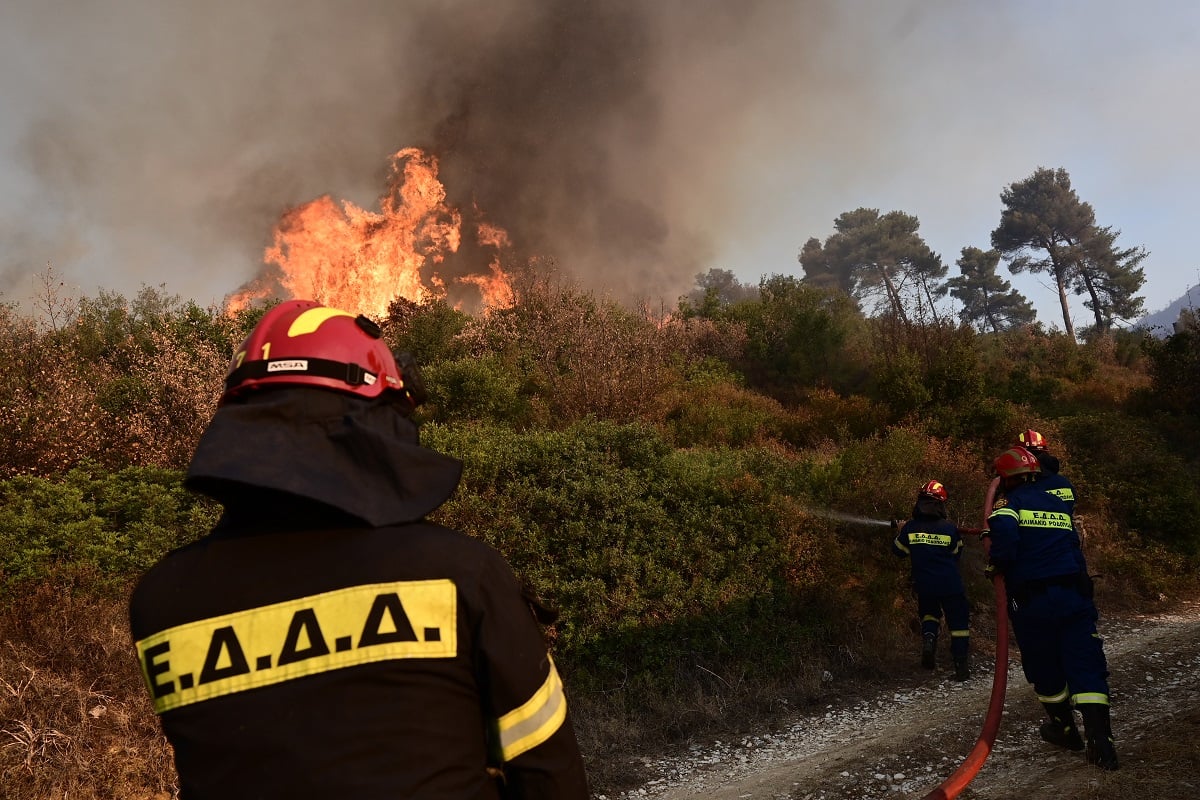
point(358, 456)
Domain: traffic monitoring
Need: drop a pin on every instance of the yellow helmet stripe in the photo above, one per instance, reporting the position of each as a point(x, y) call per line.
point(313, 318)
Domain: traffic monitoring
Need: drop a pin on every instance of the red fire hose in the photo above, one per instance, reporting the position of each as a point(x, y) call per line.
point(991, 724)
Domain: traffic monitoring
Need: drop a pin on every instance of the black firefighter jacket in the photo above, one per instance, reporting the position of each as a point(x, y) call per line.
point(298, 651)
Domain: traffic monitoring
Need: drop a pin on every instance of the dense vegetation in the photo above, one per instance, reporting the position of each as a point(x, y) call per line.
point(666, 482)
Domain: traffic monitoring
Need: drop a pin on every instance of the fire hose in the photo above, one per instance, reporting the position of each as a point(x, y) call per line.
point(971, 765)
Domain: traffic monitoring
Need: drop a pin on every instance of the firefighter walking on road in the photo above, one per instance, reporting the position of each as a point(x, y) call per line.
point(933, 545)
point(1034, 546)
point(324, 640)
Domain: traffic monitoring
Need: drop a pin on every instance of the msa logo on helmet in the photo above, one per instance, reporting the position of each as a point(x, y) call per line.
point(281, 642)
point(295, 365)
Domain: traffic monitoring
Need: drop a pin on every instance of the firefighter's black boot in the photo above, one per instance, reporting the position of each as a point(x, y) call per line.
point(962, 668)
point(1101, 749)
point(1061, 730)
point(928, 650)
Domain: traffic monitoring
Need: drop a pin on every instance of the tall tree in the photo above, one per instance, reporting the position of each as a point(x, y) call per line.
point(1046, 228)
point(988, 300)
point(872, 254)
point(819, 273)
point(1111, 279)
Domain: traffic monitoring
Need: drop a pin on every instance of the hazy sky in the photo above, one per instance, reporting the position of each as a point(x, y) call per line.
point(640, 143)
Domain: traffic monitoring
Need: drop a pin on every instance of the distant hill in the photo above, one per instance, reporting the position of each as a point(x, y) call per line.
point(1159, 323)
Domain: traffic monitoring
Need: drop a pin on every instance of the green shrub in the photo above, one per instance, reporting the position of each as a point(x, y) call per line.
point(626, 534)
point(481, 388)
point(1175, 372)
point(722, 414)
point(90, 522)
point(900, 382)
point(824, 416)
point(1145, 481)
point(430, 331)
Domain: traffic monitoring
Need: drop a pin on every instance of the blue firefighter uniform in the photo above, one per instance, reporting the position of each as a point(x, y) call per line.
point(1034, 544)
point(933, 546)
point(1053, 482)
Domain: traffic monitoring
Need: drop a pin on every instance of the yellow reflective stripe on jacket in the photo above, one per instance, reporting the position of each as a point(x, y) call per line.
point(279, 642)
point(532, 723)
point(1045, 519)
point(1063, 493)
point(1004, 512)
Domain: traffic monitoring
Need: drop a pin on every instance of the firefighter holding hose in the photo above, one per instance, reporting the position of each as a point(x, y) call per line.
point(1034, 545)
point(325, 640)
point(933, 545)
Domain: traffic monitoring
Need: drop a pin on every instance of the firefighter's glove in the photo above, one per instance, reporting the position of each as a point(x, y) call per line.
point(895, 526)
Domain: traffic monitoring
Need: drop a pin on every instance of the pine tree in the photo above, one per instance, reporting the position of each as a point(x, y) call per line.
point(1046, 228)
point(872, 254)
point(989, 301)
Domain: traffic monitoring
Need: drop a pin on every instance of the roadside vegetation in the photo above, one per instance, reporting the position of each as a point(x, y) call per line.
point(664, 480)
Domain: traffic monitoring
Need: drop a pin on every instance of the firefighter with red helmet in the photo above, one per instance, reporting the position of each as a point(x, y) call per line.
point(324, 640)
point(1051, 480)
point(1034, 545)
point(933, 545)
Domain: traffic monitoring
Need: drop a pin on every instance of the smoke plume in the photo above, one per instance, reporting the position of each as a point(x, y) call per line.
point(598, 134)
point(631, 143)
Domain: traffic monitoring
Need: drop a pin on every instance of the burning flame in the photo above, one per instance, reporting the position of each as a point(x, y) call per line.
point(350, 258)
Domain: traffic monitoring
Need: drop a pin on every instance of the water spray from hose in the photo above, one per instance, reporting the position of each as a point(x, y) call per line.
point(824, 512)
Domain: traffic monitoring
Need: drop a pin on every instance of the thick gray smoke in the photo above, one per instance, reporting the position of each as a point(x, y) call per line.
point(597, 133)
point(635, 143)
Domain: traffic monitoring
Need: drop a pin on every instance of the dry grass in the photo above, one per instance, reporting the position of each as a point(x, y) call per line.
point(74, 718)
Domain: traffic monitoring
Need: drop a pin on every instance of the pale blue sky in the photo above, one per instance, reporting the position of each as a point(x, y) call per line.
point(144, 142)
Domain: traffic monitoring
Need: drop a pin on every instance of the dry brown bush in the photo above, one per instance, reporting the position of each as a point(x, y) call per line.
point(161, 428)
point(138, 400)
point(588, 357)
point(49, 417)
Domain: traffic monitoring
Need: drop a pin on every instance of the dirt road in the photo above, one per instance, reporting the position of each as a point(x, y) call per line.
point(904, 742)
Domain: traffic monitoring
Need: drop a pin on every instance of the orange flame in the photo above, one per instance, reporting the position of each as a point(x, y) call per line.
point(348, 257)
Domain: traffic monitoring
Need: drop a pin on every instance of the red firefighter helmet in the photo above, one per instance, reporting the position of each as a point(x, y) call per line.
point(1017, 461)
point(303, 343)
point(935, 490)
point(1032, 440)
